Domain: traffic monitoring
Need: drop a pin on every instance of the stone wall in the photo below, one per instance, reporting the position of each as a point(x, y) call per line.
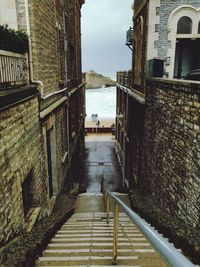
point(171, 149)
point(20, 153)
point(61, 143)
point(44, 41)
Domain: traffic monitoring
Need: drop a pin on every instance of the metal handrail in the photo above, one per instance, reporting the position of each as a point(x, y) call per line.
point(169, 253)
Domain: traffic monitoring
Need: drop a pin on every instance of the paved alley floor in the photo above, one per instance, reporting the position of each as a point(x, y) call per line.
point(100, 160)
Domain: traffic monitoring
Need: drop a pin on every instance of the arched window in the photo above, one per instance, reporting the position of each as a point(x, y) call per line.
point(199, 27)
point(184, 25)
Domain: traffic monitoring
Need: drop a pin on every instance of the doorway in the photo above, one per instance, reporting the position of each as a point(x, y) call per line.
point(187, 57)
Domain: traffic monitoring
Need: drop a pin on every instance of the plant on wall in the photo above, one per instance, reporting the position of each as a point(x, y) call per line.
point(13, 41)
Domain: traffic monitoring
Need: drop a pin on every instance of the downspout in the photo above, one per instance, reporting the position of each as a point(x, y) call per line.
point(40, 83)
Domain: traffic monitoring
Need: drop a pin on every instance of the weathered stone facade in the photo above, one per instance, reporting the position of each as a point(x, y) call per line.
point(166, 8)
point(171, 148)
point(21, 154)
point(159, 38)
point(44, 44)
point(42, 128)
point(158, 124)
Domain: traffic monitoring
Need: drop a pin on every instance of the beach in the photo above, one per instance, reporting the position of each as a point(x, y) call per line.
point(104, 122)
point(101, 105)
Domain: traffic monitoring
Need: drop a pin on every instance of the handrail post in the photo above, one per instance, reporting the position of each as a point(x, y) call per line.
point(107, 207)
point(103, 191)
point(115, 233)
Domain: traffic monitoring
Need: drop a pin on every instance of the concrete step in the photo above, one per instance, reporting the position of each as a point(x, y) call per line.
point(95, 252)
point(98, 245)
point(98, 230)
point(87, 240)
point(100, 261)
point(95, 239)
point(94, 234)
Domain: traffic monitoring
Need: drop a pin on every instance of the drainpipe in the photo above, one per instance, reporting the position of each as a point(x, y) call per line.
point(40, 83)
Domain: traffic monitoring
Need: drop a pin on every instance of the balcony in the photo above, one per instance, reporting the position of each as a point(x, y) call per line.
point(14, 79)
point(129, 38)
point(13, 70)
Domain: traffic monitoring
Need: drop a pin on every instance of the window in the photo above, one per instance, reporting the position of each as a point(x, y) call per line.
point(27, 193)
point(199, 27)
point(184, 25)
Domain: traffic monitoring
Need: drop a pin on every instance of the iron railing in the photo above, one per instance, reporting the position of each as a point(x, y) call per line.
point(13, 69)
point(129, 37)
point(168, 252)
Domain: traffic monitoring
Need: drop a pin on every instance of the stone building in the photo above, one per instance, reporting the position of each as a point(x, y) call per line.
point(41, 111)
point(158, 119)
point(169, 31)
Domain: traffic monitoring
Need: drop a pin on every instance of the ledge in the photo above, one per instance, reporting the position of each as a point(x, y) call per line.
point(175, 83)
point(13, 96)
point(138, 96)
point(52, 107)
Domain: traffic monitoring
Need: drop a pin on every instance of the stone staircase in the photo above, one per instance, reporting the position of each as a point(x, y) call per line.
point(87, 240)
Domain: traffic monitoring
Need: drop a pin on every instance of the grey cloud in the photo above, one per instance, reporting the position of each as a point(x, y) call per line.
point(104, 26)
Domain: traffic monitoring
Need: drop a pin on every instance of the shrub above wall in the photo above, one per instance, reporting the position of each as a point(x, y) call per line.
point(13, 41)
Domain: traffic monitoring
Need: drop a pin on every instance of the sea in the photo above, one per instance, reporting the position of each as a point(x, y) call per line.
point(101, 101)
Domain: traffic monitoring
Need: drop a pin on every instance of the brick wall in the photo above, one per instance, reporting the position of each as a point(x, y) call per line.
point(20, 153)
point(44, 43)
point(171, 152)
point(61, 143)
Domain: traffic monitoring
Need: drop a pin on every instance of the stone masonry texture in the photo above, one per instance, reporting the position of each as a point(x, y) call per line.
point(44, 40)
point(171, 152)
point(20, 153)
point(167, 6)
point(25, 125)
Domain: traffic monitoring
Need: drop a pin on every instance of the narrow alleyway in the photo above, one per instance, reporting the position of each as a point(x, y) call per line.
point(100, 160)
point(86, 239)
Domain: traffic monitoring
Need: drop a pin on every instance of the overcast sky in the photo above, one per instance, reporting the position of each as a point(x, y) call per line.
point(104, 26)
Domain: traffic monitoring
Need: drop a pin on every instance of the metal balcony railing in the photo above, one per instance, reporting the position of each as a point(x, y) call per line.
point(13, 69)
point(168, 252)
point(129, 36)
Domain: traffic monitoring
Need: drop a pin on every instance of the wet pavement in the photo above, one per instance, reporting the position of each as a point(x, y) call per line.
point(100, 160)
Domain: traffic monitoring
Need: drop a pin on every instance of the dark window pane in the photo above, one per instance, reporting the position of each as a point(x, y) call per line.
point(199, 28)
point(184, 25)
point(27, 193)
